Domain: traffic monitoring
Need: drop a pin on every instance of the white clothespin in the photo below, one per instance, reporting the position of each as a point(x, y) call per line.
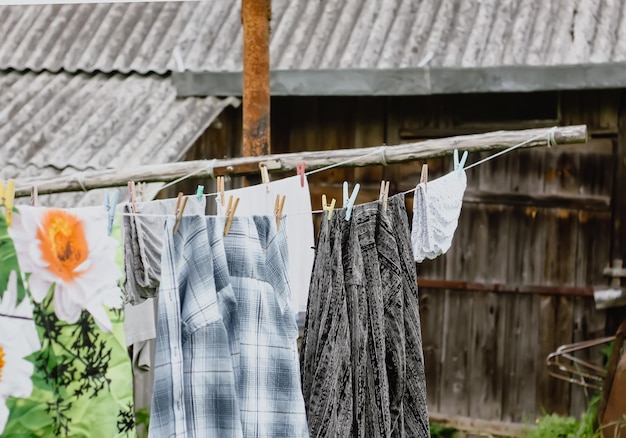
point(265, 176)
point(348, 202)
point(109, 206)
point(220, 189)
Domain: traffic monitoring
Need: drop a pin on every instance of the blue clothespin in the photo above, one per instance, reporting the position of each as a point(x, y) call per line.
point(200, 193)
point(459, 165)
point(348, 202)
point(109, 205)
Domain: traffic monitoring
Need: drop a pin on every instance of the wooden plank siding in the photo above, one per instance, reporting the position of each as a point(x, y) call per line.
point(532, 218)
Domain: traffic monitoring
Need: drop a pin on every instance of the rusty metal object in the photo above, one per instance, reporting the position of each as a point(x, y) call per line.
point(255, 16)
point(613, 423)
point(563, 365)
point(616, 355)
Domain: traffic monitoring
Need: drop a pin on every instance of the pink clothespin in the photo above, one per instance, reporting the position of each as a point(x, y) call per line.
point(300, 171)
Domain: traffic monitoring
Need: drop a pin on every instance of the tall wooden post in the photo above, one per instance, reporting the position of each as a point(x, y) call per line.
point(255, 16)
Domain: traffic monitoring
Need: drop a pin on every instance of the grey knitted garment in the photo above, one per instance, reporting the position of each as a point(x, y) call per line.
point(361, 358)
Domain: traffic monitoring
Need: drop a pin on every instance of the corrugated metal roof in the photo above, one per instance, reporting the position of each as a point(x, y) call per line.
point(52, 124)
point(313, 34)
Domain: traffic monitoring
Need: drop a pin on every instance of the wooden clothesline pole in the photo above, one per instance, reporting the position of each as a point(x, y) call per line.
point(378, 155)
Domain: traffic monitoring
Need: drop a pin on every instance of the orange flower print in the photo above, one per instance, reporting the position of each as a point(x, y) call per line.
point(70, 250)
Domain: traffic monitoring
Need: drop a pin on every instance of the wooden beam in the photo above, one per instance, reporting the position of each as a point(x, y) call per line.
point(547, 200)
point(481, 427)
point(505, 288)
point(287, 162)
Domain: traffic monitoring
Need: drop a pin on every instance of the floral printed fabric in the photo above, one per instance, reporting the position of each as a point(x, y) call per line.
point(64, 368)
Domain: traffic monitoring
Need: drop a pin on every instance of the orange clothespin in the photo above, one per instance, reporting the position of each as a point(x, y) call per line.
point(230, 213)
point(384, 193)
point(181, 203)
point(265, 176)
point(300, 171)
point(7, 198)
point(278, 208)
point(220, 189)
point(34, 196)
point(133, 195)
point(328, 207)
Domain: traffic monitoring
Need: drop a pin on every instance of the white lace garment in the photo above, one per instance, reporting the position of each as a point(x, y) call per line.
point(436, 211)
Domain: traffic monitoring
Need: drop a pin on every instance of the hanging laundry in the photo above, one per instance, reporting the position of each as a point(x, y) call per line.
point(256, 200)
point(226, 359)
point(140, 328)
point(414, 406)
point(143, 240)
point(359, 334)
point(436, 209)
point(64, 369)
point(194, 386)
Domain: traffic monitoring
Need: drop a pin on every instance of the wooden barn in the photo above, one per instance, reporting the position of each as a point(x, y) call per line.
point(538, 227)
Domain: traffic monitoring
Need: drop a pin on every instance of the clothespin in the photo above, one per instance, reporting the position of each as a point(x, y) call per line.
point(220, 188)
point(424, 175)
point(384, 193)
point(230, 213)
point(348, 202)
point(458, 165)
point(34, 196)
point(278, 208)
point(200, 193)
point(300, 171)
point(109, 206)
point(141, 191)
point(328, 207)
point(132, 196)
point(7, 198)
point(181, 203)
point(265, 176)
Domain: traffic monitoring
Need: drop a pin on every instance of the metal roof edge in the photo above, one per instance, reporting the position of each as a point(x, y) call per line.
point(410, 81)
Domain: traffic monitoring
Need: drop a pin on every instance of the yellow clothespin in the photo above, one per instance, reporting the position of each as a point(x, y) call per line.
point(328, 207)
point(230, 213)
point(7, 198)
point(34, 196)
point(278, 208)
point(265, 176)
point(384, 193)
point(181, 203)
point(220, 188)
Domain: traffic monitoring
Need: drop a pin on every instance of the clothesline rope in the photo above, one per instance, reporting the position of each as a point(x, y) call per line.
point(551, 142)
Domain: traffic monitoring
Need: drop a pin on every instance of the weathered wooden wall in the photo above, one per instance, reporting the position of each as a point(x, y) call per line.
point(535, 231)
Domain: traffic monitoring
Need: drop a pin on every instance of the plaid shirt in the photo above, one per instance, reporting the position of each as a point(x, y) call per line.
point(194, 386)
point(227, 362)
point(264, 328)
